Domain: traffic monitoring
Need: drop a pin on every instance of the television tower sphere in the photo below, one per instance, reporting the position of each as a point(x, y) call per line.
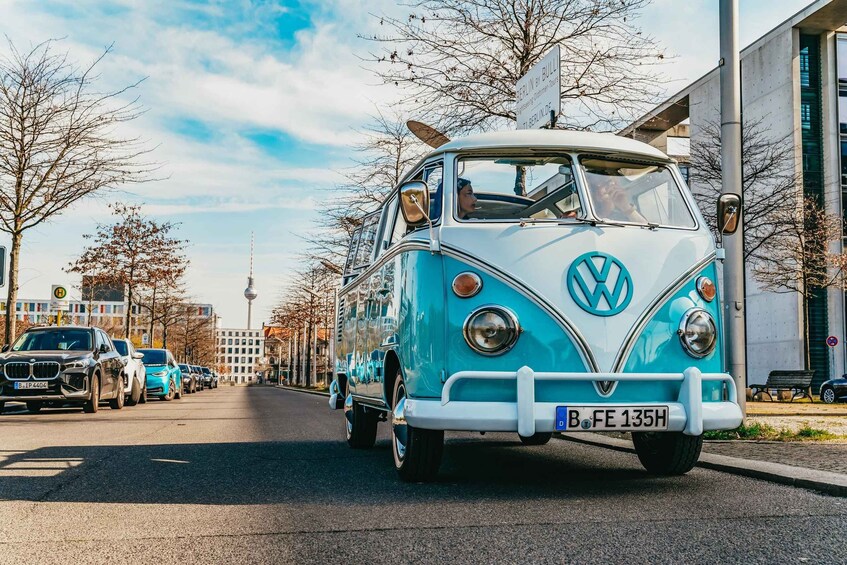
point(250, 292)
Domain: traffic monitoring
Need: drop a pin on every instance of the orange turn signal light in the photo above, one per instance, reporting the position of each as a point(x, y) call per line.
point(467, 284)
point(706, 288)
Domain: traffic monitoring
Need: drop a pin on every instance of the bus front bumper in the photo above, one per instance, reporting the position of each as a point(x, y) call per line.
point(688, 414)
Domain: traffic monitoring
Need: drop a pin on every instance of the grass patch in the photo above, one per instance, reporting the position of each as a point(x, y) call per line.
point(759, 431)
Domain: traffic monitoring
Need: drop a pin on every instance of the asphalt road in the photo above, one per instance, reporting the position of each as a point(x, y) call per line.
point(262, 475)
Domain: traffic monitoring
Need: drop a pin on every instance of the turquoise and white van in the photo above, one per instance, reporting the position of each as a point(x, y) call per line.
point(534, 282)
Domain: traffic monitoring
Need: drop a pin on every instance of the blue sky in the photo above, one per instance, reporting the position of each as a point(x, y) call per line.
point(253, 107)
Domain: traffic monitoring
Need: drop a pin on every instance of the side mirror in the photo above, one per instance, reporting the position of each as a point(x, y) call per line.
point(729, 211)
point(137, 355)
point(414, 203)
point(102, 348)
point(6, 348)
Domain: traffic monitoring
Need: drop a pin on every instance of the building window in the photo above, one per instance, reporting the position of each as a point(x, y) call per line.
point(806, 115)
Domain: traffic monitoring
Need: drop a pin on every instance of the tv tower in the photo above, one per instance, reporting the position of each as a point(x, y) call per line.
point(250, 293)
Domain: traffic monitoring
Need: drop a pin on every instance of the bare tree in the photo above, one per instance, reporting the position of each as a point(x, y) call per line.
point(306, 306)
point(387, 150)
point(135, 252)
point(771, 185)
point(57, 143)
point(458, 61)
point(799, 256)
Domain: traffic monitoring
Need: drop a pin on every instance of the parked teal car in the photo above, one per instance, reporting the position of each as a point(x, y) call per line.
point(164, 379)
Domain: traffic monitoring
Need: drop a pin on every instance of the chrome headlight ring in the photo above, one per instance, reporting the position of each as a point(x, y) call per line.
point(698, 332)
point(491, 330)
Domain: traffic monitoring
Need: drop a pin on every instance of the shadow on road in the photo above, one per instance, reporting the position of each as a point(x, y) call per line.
point(314, 472)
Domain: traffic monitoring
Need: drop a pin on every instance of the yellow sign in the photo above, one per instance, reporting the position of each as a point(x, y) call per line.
point(60, 292)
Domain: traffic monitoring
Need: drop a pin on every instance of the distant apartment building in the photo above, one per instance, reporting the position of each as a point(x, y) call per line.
point(238, 352)
point(109, 315)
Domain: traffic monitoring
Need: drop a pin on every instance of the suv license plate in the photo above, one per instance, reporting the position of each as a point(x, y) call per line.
point(605, 418)
point(26, 385)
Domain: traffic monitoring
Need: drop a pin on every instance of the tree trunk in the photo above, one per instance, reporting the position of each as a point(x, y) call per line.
point(807, 358)
point(128, 325)
point(12, 296)
point(164, 337)
point(152, 316)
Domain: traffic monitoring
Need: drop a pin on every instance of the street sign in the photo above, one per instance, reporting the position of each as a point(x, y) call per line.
point(145, 339)
point(539, 92)
point(832, 341)
point(58, 297)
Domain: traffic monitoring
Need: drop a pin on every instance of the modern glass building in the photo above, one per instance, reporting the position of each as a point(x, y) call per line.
point(794, 85)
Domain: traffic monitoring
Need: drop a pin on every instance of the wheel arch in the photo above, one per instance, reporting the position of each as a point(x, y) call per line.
point(391, 366)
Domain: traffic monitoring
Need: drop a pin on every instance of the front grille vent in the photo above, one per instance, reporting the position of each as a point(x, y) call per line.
point(17, 371)
point(45, 370)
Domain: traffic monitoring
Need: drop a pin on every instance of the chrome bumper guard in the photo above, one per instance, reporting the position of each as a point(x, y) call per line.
point(689, 414)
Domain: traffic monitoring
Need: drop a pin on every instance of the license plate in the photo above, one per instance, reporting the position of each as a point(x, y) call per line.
point(617, 418)
point(27, 385)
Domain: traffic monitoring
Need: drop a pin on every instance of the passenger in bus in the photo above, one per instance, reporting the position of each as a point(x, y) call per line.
point(613, 203)
point(466, 198)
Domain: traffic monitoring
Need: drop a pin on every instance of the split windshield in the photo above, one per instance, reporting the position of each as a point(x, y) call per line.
point(545, 189)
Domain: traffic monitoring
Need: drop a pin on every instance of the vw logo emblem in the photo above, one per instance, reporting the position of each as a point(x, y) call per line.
point(599, 284)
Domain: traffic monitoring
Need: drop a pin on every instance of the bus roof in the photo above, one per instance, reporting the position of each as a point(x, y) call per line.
point(555, 139)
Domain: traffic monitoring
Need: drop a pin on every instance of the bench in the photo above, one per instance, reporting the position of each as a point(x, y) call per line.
point(798, 382)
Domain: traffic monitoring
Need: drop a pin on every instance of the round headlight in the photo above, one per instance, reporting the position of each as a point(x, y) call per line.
point(697, 332)
point(491, 330)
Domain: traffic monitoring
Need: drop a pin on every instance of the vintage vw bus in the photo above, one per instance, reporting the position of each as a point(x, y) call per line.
point(534, 282)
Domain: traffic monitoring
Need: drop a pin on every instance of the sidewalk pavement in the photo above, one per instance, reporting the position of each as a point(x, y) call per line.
point(816, 465)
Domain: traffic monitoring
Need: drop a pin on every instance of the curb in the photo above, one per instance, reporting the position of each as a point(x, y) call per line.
point(305, 390)
point(822, 481)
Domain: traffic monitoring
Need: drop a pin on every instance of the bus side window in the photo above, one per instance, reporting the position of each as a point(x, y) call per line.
point(351, 253)
point(364, 253)
point(400, 227)
point(387, 225)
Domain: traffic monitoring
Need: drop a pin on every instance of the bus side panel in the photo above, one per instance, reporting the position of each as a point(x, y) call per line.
point(417, 305)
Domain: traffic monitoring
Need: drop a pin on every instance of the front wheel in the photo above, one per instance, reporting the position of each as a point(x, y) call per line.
point(417, 453)
point(178, 391)
point(667, 453)
point(93, 404)
point(828, 395)
point(171, 391)
point(538, 438)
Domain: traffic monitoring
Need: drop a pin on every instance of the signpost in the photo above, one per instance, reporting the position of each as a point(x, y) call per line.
point(832, 341)
point(538, 94)
point(58, 301)
point(145, 339)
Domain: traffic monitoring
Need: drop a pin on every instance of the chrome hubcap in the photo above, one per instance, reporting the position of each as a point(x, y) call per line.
point(828, 395)
point(399, 428)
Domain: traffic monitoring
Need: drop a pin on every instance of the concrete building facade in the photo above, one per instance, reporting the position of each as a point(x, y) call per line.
point(790, 86)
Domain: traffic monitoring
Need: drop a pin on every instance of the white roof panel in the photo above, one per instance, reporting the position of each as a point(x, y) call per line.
point(555, 139)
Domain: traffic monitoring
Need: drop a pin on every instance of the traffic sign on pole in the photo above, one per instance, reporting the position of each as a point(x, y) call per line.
point(832, 341)
point(58, 297)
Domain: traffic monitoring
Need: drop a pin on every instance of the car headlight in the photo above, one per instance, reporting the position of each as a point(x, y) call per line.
point(78, 364)
point(491, 330)
point(697, 332)
point(160, 373)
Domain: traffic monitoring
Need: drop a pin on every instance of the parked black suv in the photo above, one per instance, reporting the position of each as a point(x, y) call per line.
point(58, 365)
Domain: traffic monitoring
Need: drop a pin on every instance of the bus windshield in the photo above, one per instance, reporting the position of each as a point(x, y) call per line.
point(512, 188)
